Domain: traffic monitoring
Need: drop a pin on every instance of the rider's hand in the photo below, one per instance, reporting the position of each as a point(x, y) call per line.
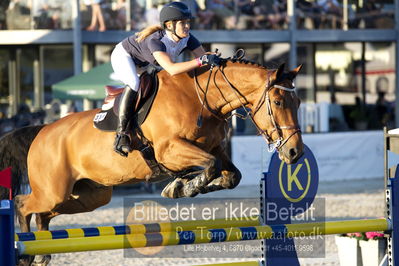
point(208, 59)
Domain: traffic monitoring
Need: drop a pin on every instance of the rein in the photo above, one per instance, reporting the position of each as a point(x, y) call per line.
point(204, 101)
point(265, 98)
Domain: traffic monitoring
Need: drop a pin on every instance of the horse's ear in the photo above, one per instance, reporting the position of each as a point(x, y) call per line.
point(277, 73)
point(295, 71)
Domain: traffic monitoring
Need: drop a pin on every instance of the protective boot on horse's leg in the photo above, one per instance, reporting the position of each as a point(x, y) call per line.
point(182, 187)
point(127, 107)
point(184, 154)
point(198, 183)
point(223, 175)
point(230, 175)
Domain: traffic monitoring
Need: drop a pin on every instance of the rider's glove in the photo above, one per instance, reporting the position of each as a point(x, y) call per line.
point(208, 59)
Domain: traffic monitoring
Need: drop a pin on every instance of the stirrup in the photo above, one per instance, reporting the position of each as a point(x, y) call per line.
point(122, 144)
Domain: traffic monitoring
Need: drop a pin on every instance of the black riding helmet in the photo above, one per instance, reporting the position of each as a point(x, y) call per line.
point(174, 11)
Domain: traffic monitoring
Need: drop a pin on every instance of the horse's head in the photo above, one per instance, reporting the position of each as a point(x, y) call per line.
point(270, 94)
point(275, 113)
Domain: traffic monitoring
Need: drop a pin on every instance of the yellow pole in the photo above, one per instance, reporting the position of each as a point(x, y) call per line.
point(337, 227)
point(197, 236)
point(147, 228)
point(50, 246)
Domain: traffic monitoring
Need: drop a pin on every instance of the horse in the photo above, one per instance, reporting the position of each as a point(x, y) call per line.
point(71, 166)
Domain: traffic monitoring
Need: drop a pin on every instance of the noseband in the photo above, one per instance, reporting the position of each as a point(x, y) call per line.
point(265, 98)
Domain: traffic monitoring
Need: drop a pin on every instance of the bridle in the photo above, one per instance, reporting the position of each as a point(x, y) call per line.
point(280, 141)
point(276, 144)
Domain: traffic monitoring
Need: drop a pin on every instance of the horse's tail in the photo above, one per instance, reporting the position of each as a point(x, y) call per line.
point(14, 148)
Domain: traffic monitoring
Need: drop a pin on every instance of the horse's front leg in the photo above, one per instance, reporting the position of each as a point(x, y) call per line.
point(230, 175)
point(198, 184)
point(178, 155)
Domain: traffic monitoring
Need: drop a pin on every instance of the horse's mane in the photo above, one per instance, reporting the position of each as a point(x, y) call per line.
point(238, 57)
point(242, 61)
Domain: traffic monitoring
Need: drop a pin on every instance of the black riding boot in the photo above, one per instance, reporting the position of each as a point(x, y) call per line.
point(127, 104)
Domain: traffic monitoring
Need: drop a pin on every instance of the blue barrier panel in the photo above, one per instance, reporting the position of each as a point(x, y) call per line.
point(393, 214)
point(7, 250)
point(290, 188)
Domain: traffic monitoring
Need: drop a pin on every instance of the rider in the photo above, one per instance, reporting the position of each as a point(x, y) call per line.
point(157, 45)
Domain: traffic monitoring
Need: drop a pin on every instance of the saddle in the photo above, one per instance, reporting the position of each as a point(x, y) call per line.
point(107, 118)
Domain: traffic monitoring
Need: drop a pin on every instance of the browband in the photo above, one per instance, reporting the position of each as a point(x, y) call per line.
point(285, 88)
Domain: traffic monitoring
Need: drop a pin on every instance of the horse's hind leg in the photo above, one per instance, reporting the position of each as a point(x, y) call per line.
point(24, 218)
point(86, 196)
point(43, 222)
point(24, 221)
point(43, 199)
point(24, 224)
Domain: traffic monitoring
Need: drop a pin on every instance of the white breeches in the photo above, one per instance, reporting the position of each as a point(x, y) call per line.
point(124, 67)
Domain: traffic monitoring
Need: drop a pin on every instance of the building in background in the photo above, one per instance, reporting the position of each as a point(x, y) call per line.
point(346, 52)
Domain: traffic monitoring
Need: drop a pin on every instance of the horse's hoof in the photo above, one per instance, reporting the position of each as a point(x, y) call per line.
point(172, 190)
point(25, 260)
point(189, 191)
point(41, 260)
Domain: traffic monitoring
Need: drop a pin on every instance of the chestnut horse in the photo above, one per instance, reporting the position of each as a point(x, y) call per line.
point(72, 166)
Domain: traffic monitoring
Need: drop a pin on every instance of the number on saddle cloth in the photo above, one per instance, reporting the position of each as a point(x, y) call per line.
point(107, 118)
